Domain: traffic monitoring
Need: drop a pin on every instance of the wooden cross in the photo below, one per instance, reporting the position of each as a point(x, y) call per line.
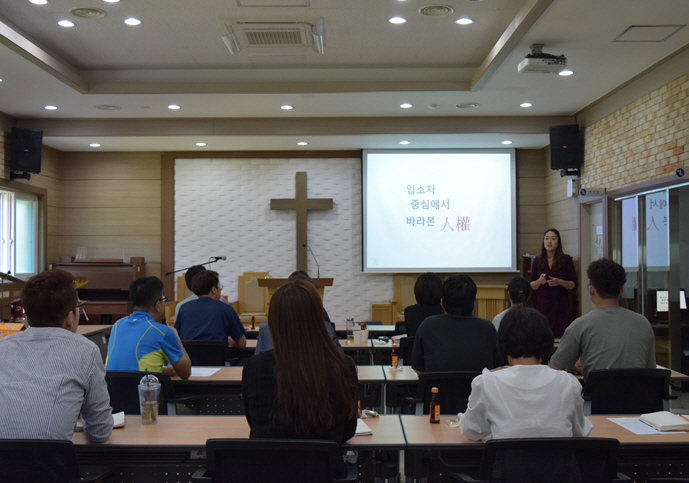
point(301, 203)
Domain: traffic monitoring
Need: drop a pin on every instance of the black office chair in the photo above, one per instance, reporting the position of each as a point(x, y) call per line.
point(42, 460)
point(124, 393)
point(284, 460)
point(454, 389)
point(207, 352)
point(627, 391)
point(548, 460)
point(405, 350)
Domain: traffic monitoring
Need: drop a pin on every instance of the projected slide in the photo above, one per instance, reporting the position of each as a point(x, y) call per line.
point(439, 210)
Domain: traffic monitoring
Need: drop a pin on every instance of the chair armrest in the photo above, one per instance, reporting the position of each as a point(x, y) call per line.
point(200, 476)
point(464, 478)
point(352, 473)
point(622, 477)
point(95, 474)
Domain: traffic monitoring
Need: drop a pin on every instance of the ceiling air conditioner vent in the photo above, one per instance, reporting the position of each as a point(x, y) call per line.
point(287, 38)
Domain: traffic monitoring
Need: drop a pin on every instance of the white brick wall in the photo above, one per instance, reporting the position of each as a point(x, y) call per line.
point(222, 207)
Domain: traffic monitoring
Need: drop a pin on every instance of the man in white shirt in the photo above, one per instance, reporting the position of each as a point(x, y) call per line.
point(48, 373)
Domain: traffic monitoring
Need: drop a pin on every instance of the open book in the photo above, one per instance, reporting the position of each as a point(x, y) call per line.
point(118, 421)
point(666, 421)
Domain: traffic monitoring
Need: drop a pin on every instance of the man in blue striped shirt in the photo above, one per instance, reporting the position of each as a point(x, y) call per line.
point(48, 373)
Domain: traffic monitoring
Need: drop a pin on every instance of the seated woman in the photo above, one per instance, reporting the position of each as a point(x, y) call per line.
point(428, 290)
point(304, 387)
point(527, 399)
point(518, 292)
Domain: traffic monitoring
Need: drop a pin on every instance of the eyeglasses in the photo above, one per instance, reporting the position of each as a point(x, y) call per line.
point(164, 299)
point(220, 287)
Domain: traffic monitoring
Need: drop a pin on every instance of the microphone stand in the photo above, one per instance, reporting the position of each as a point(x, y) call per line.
point(187, 268)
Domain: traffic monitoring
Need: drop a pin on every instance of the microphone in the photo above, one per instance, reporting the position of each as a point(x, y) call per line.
point(219, 258)
point(314, 259)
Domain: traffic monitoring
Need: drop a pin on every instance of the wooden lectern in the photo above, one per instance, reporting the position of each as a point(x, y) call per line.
point(274, 283)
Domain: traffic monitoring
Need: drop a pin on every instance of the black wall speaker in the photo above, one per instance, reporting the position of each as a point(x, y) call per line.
point(25, 150)
point(565, 149)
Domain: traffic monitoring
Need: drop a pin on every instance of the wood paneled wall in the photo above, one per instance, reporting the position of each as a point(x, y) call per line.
point(110, 203)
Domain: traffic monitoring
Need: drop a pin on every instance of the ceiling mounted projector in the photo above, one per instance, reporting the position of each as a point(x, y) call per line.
point(538, 62)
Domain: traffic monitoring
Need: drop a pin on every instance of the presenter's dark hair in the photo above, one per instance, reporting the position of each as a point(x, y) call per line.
point(48, 298)
point(145, 292)
point(300, 275)
point(203, 282)
point(428, 289)
point(459, 294)
point(315, 385)
point(519, 289)
point(525, 332)
point(191, 273)
point(607, 277)
point(542, 258)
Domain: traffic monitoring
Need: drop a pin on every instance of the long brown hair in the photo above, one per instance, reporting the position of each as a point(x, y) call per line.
point(315, 384)
point(559, 258)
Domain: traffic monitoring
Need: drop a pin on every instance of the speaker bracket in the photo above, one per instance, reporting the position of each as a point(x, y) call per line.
point(17, 175)
point(570, 172)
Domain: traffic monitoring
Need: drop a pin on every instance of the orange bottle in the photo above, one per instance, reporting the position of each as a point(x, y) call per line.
point(395, 356)
point(435, 407)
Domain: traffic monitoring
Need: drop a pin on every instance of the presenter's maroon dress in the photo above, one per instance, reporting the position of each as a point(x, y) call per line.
point(555, 302)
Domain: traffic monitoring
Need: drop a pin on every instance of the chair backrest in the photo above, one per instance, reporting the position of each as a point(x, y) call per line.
point(547, 460)
point(124, 392)
point(453, 390)
point(261, 460)
point(207, 352)
point(627, 391)
point(405, 351)
point(33, 460)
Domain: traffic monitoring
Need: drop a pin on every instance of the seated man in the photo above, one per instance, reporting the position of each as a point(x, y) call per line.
point(456, 340)
point(527, 399)
point(608, 337)
point(48, 373)
point(207, 318)
point(188, 277)
point(264, 343)
point(141, 342)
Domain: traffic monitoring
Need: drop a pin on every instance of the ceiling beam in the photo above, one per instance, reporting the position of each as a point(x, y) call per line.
point(520, 25)
point(50, 63)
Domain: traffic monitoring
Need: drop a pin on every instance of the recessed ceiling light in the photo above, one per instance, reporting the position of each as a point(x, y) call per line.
point(404, 142)
point(94, 145)
point(507, 142)
point(50, 108)
point(174, 107)
point(302, 143)
point(200, 144)
point(133, 21)
point(397, 20)
point(39, 2)
point(111, 1)
point(0, 80)
point(406, 105)
point(286, 107)
point(467, 105)
point(525, 104)
point(566, 72)
point(464, 21)
point(108, 107)
point(65, 23)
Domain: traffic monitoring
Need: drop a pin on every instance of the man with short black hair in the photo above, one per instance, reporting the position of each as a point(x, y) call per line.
point(608, 337)
point(188, 277)
point(140, 342)
point(456, 340)
point(207, 318)
point(48, 373)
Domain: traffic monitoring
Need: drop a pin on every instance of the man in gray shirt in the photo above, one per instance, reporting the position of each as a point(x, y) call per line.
point(48, 373)
point(609, 337)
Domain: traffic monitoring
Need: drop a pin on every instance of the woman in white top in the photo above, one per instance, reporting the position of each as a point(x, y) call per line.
point(526, 399)
point(518, 292)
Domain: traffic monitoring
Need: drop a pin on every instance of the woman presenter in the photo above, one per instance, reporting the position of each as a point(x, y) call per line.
point(553, 276)
point(304, 387)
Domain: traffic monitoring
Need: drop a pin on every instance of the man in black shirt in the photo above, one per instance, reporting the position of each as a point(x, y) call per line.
point(456, 340)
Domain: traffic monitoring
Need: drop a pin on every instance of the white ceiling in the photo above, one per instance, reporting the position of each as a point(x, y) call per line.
point(347, 98)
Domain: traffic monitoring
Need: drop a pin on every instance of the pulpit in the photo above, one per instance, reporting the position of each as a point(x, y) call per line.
point(272, 284)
